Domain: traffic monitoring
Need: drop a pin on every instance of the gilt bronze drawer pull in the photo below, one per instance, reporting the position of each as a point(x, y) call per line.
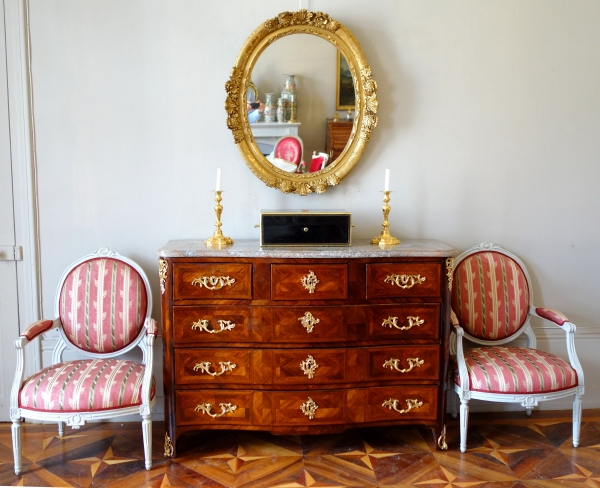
point(213, 282)
point(206, 408)
point(310, 281)
point(309, 321)
point(404, 281)
point(309, 408)
point(392, 404)
point(309, 366)
point(412, 362)
point(393, 322)
point(203, 324)
point(204, 367)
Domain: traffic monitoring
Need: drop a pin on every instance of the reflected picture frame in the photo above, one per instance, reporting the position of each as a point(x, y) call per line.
point(345, 95)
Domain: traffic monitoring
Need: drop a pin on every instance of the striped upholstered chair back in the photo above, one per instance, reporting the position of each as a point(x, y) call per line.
point(102, 305)
point(491, 295)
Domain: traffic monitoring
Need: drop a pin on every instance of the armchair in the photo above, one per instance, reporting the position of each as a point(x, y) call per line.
point(492, 305)
point(102, 311)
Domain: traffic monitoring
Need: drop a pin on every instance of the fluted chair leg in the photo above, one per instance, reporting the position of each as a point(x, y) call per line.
point(16, 441)
point(464, 423)
point(61, 429)
point(576, 419)
point(147, 434)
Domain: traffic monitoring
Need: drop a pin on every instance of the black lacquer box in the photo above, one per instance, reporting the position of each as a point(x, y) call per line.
point(305, 228)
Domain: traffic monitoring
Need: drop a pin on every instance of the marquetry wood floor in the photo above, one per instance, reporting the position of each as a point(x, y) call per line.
point(505, 450)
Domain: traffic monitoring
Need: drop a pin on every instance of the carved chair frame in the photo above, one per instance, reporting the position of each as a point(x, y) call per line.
point(144, 340)
point(527, 400)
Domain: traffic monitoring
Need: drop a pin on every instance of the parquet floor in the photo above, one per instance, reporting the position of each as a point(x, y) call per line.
point(505, 450)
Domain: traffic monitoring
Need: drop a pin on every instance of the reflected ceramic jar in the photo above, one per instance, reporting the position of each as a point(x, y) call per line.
point(281, 111)
point(270, 108)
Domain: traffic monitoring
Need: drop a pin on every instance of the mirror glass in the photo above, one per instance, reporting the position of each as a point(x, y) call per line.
point(313, 62)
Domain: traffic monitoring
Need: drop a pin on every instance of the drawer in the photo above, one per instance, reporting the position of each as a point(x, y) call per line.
point(309, 324)
point(401, 403)
point(410, 321)
point(309, 282)
point(214, 407)
point(403, 280)
point(307, 408)
point(211, 324)
point(310, 366)
point(208, 281)
point(415, 362)
point(213, 366)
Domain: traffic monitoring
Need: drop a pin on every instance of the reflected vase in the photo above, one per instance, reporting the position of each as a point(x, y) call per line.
point(270, 107)
point(281, 110)
point(290, 96)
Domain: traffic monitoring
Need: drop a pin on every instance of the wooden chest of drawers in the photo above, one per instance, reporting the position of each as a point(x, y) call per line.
point(311, 340)
point(337, 135)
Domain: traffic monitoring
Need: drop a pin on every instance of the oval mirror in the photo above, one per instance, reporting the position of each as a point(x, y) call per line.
point(308, 63)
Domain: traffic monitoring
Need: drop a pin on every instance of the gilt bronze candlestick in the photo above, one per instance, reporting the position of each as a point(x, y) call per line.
point(385, 239)
point(218, 240)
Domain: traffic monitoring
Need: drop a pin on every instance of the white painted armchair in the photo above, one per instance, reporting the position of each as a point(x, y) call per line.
point(492, 305)
point(102, 310)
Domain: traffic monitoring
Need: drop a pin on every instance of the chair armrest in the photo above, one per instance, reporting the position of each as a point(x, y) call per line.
point(151, 326)
point(39, 327)
point(454, 319)
point(549, 314)
point(463, 373)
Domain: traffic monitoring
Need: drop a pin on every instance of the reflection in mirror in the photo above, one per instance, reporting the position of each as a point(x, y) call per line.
point(313, 62)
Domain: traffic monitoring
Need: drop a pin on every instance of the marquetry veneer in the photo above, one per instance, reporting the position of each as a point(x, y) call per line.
point(304, 341)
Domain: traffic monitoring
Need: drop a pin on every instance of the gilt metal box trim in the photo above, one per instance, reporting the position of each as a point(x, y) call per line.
point(299, 228)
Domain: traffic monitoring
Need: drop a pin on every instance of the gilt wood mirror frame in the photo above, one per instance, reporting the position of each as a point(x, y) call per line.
point(365, 87)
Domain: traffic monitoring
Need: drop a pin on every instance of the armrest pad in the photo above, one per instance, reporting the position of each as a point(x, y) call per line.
point(551, 315)
point(37, 328)
point(151, 326)
point(453, 318)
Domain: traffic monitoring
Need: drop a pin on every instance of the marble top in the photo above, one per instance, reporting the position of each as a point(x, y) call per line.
point(189, 248)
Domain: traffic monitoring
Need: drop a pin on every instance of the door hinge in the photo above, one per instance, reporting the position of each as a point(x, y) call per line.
point(11, 253)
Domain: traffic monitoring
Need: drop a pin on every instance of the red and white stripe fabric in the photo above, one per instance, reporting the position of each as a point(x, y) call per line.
point(490, 296)
point(515, 370)
point(103, 305)
point(85, 385)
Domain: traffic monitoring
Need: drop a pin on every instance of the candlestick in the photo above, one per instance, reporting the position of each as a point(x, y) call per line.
point(218, 187)
point(218, 240)
point(387, 180)
point(385, 239)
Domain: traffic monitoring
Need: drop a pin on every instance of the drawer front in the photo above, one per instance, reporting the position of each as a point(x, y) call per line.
point(221, 407)
point(411, 321)
point(309, 366)
point(211, 324)
point(309, 282)
point(401, 403)
point(309, 324)
point(404, 363)
point(209, 281)
point(403, 280)
point(308, 408)
point(213, 366)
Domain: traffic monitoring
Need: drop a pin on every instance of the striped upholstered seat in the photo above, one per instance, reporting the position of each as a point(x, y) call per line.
point(85, 385)
point(516, 370)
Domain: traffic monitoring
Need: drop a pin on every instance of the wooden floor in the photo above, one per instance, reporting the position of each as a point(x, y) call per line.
point(505, 450)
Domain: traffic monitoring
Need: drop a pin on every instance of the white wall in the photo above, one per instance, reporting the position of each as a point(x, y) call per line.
point(489, 118)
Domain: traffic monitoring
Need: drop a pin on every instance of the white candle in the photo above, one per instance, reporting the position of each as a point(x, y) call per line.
point(387, 180)
point(218, 180)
